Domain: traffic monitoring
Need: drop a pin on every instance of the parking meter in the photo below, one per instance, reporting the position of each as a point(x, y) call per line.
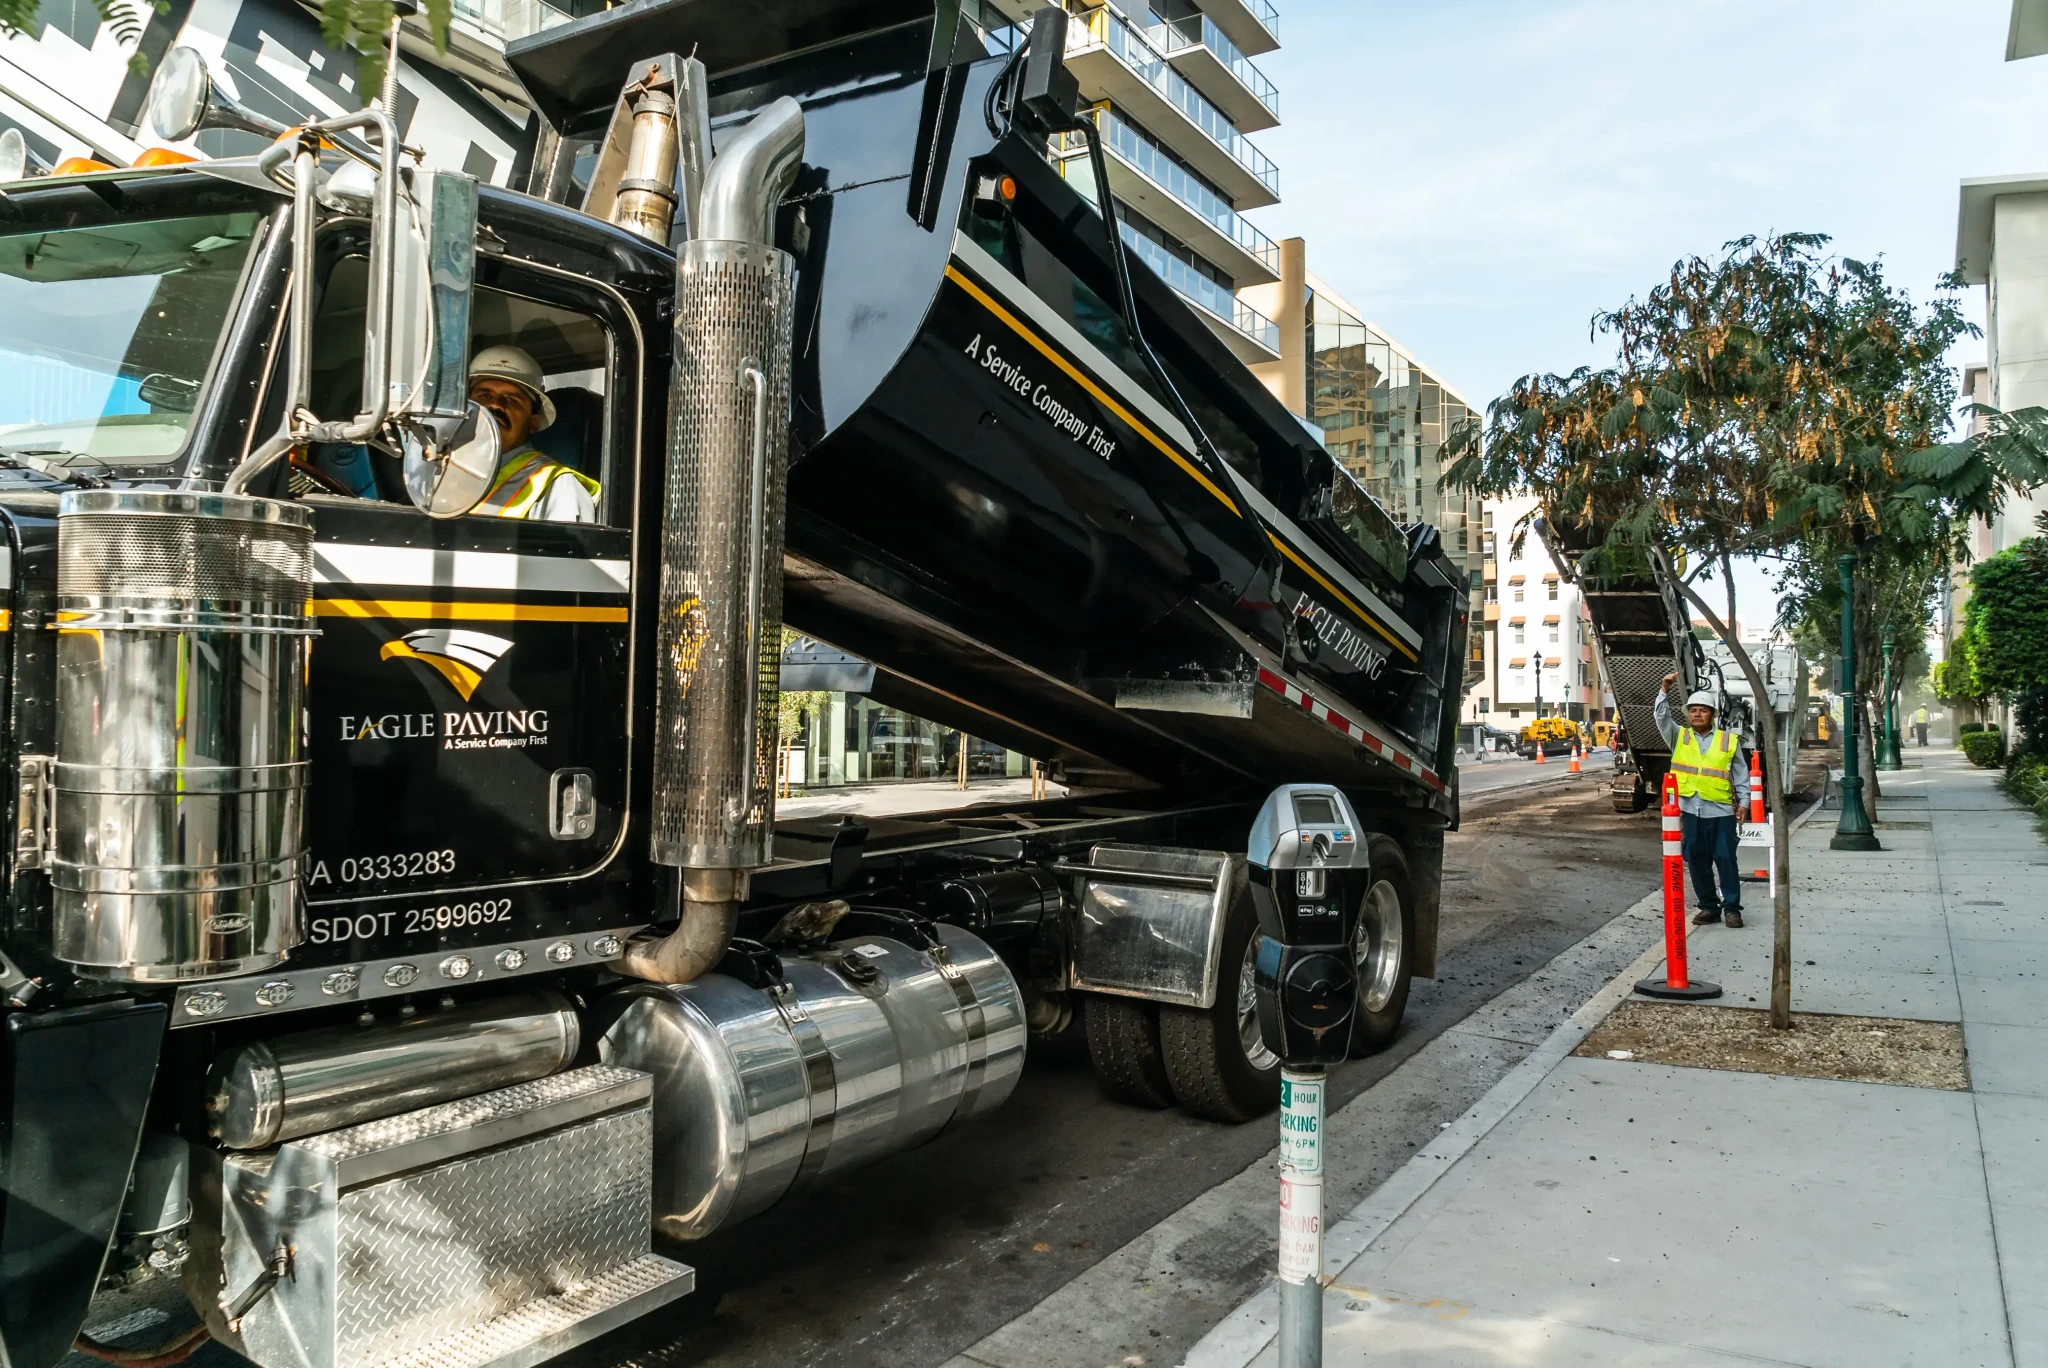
point(1307, 864)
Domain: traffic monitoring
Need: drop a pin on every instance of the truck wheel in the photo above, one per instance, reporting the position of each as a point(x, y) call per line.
point(1215, 1056)
point(1123, 1045)
point(1383, 949)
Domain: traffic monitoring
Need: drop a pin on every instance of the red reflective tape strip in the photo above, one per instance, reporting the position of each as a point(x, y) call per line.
point(1322, 712)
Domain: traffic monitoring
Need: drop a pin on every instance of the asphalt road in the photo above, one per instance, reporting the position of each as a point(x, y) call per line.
point(907, 1263)
point(1511, 771)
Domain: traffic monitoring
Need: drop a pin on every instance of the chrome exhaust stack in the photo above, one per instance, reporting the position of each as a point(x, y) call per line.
point(646, 202)
point(719, 644)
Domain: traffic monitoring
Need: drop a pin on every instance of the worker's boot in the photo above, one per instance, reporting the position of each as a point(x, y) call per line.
point(1706, 916)
point(1732, 918)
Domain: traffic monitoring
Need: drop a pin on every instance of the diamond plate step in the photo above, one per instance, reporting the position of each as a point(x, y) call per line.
point(548, 1326)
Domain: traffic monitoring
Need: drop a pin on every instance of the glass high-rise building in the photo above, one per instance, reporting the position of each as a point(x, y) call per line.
point(1174, 94)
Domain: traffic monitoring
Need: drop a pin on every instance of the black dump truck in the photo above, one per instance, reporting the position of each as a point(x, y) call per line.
point(402, 951)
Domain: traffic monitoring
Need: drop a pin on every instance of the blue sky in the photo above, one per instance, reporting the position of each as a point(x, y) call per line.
point(1479, 177)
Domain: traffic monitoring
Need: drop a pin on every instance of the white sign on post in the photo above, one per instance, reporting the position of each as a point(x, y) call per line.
point(1301, 1120)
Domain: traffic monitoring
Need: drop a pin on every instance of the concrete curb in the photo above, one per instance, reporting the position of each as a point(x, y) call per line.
point(1244, 1334)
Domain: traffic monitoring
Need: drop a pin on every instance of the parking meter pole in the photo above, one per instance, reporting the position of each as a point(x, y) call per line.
point(1301, 1217)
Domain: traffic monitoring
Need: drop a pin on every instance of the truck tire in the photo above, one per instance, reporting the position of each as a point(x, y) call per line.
point(1384, 949)
point(1123, 1047)
point(1216, 1058)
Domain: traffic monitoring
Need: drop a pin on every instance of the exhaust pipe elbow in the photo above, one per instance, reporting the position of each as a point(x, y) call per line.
point(711, 901)
point(751, 175)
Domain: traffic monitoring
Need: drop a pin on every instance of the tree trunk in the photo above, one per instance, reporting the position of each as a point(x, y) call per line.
point(1866, 751)
point(1774, 791)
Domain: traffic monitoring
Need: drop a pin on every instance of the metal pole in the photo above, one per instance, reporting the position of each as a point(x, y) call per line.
point(1853, 831)
point(1888, 757)
point(1301, 1217)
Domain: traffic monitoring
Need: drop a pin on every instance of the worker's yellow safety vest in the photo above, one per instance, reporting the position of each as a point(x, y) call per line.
point(524, 483)
point(1703, 770)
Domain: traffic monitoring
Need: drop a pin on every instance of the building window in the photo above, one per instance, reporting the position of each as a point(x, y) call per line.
point(1492, 593)
point(1553, 591)
point(1518, 593)
point(1553, 631)
point(1518, 634)
point(1514, 712)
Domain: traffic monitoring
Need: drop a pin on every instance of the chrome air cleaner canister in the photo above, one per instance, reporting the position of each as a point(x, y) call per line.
point(178, 791)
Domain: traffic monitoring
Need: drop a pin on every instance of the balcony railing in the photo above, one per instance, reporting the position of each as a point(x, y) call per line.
point(1108, 29)
point(1268, 17)
point(1198, 30)
point(1201, 291)
point(498, 22)
point(1123, 139)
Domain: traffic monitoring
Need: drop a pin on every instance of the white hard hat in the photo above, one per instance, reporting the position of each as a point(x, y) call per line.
point(517, 365)
point(1701, 698)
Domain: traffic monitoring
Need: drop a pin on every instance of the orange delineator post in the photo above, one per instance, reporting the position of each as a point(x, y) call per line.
point(1756, 787)
point(1676, 982)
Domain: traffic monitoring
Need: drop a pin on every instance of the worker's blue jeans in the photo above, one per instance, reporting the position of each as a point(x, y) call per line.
point(1709, 845)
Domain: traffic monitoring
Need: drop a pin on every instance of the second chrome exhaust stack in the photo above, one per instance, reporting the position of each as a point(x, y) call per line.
point(719, 644)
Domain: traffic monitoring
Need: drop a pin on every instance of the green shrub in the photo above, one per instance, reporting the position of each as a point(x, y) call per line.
point(2026, 778)
point(1969, 727)
point(1984, 748)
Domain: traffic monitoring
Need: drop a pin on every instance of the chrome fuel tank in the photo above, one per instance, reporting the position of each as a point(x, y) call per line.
point(870, 1048)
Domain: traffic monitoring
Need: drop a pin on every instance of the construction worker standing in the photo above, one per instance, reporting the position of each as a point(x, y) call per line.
point(1920, 721)
point(1713, 785)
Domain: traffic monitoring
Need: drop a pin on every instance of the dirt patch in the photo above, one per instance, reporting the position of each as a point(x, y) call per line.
point(1914, 1054)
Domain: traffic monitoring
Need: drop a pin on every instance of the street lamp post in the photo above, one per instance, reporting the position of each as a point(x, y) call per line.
point(1888, 709)
point(1853, 831)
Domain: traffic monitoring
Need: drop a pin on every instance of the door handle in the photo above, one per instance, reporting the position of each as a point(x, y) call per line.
point(572, 804)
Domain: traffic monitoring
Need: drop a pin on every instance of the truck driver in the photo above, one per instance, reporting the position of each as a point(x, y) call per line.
point(506, 381)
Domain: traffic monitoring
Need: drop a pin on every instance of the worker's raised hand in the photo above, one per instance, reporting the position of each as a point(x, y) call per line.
point(1669, 680)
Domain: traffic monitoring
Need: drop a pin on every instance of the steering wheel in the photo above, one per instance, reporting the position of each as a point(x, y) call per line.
point(320, 477)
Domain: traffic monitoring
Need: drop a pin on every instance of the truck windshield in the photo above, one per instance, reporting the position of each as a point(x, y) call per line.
point(106, 333)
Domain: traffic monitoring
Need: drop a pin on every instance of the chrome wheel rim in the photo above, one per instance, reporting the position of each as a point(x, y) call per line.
point(1376, 948)
point(1249, 1038)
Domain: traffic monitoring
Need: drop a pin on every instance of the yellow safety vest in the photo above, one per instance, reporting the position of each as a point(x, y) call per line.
point(524, 483)
point(1703, 770)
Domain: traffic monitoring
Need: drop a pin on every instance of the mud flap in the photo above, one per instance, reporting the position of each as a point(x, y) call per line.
point(76, 1085)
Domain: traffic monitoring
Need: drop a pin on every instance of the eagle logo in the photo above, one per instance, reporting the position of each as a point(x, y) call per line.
point(459, 656)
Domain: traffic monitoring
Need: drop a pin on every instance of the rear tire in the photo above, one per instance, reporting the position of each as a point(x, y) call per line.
point(1123, 1046)
point(1383, 949)
point(1216, 1058)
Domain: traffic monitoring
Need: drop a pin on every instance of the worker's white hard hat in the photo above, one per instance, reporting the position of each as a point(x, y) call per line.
point(517, 365)
point(1701, 698)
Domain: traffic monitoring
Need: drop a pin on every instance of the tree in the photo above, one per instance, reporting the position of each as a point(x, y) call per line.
point(2006, 618)
point(1769, 400)
point(793, 710)
point(1895, 592)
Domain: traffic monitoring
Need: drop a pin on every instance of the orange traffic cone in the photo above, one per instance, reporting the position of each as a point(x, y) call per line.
point(1575, 760)
point(1539, 750)
point(1756, 787)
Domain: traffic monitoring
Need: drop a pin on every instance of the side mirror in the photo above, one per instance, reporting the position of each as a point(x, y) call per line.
point(451, 478)
point(183, 100)
point(433, 248)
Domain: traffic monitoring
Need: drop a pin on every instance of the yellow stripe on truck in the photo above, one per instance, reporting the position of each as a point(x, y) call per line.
point(469, 612)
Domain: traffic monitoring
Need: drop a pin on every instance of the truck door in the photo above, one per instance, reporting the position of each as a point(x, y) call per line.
point(471, 687)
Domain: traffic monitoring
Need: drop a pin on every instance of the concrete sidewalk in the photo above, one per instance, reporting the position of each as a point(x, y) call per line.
point(1601, 1211)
